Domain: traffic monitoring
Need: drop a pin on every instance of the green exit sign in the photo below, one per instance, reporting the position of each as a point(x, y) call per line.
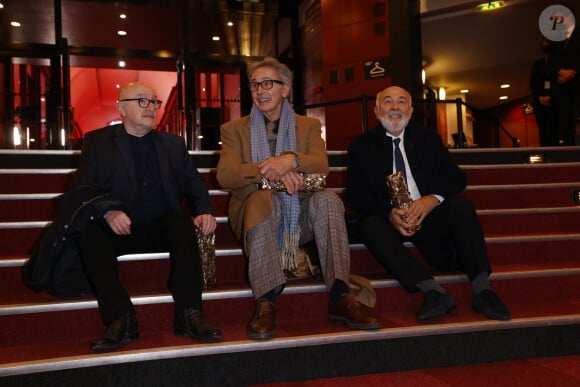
point(490, 5)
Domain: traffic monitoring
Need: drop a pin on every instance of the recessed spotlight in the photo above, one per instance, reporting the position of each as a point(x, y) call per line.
point(505, 86)
point(215, 38)
point(122, 63)
point(122, 33)
point(123, 16)
point(118, 86)
point(503, 97)
point(464, 91)
point(1, 5)
point(15, 24)
point(230, 24)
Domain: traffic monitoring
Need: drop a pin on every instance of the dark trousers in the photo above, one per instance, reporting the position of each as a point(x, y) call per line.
point(172, 232)
point(547, 121)
point(450, 238)
point(565, 100)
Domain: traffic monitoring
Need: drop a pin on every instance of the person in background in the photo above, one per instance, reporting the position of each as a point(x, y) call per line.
point(276, 144)
point(441, 223)
point(564, 61)
point(541, 81)
point(146, 175)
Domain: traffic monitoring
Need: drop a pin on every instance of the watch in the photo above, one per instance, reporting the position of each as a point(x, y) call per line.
point(296, 158)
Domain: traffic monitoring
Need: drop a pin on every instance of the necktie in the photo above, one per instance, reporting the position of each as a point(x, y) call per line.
point(399, 163)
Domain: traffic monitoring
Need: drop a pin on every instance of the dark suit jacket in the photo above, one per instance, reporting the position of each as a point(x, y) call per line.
point(370, 160)
point(107, 164)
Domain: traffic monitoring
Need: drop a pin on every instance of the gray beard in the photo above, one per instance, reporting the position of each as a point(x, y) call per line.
point(392, 128)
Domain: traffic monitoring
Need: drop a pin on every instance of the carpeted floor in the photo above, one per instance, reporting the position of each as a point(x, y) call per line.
point(543, 372)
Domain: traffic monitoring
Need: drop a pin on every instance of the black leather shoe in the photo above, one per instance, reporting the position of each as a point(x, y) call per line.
point(489, 304)
point(435, 304)
point(119, 332)
point(190, 322)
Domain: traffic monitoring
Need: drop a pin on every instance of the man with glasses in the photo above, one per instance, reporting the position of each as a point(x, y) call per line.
point(145, 175)
point(275, 144)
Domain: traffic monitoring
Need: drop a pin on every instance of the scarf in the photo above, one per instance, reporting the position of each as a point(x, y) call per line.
point(289, 230)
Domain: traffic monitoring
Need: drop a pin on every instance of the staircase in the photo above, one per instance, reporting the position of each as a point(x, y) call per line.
point(532, 229)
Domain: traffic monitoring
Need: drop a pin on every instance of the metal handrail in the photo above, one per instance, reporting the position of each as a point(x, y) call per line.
point(458, 102)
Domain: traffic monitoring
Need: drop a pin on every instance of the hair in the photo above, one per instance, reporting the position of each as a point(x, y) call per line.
point(378, 97)
point(268, 61)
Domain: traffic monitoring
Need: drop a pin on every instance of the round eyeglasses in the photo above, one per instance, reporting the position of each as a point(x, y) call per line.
point(144, 102)
point(266, 84)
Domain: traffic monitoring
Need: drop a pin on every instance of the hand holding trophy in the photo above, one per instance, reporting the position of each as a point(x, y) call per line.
point(400, 196)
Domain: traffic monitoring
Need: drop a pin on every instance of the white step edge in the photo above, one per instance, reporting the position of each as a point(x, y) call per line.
point(200, 349)
point(222, 192)
point(213, 295)
point(15, 262)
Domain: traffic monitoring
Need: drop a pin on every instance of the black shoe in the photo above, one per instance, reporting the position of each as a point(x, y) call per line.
point(435, 304)
point(489, 304)
point(119, 332)
point(190, 322)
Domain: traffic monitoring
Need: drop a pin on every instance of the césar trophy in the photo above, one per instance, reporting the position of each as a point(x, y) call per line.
point(400, 196)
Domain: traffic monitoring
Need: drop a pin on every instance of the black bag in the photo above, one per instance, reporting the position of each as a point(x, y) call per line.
point(55, 264)
point(60, 271)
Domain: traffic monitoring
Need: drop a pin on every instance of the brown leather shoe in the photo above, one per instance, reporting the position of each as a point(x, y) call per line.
point(350, 313)
point(262, 326)
point(119, 332)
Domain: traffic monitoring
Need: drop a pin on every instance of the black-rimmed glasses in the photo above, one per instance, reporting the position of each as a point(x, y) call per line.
point(266, 84)
point(144, 102)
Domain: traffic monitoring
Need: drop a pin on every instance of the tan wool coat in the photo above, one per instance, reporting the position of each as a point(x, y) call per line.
point(238, 174)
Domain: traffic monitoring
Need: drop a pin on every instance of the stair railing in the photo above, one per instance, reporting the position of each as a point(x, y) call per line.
point(498, 127)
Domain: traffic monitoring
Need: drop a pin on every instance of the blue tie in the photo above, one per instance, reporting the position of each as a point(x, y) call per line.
point(399, 163)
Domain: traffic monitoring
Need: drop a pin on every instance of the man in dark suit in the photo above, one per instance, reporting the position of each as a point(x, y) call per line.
point(442, 224)
point(564, 60)
point(148, 174)
point(541, 81)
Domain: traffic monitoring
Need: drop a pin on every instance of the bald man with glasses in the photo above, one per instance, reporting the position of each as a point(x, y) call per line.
point(145, 176)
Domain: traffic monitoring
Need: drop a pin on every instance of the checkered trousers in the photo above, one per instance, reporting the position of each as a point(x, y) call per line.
point(322, 220)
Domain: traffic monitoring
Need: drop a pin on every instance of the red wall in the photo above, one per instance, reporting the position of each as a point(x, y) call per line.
point(348, 41)
point(519, 125)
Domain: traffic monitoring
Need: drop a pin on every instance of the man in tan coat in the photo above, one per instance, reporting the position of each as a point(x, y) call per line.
point(276, 144)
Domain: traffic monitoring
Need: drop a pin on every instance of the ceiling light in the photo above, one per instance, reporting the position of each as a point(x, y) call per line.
point(215, 38)
point(230, 24)
point(464, 91)
point(1, 5)
point(122, 63)
point(503, 97)
point(505, 86)
point(15, 24)
point(442, 94)
point(123, 16)
point(490, 5)
point(122, 33)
